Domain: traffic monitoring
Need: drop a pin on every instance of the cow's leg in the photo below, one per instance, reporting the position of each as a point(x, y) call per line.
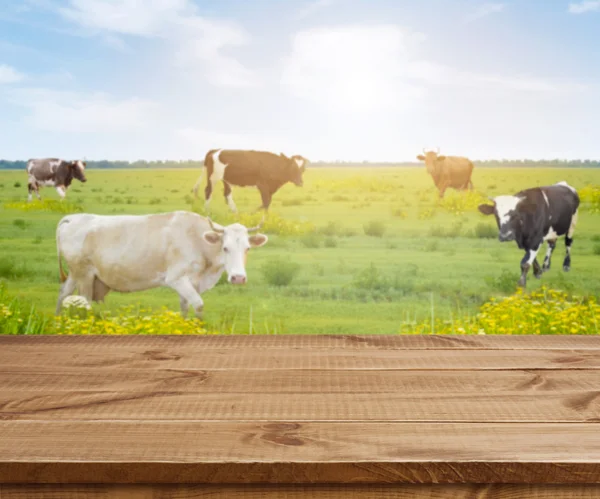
point(442, 190)
point(66, 289)
point(526, 263)
point(184, 287)
point(30, 189)
point(229, 196)
point(207, 194)
point(569, 242)
point(62, 191)
point(184, 305)
point(266, 196)
point(537, 270)
point(548, 257)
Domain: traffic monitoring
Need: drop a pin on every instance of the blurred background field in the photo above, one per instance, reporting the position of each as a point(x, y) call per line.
point(356, 250)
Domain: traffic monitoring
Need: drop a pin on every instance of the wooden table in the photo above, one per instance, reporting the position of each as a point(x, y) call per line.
point(299, 416)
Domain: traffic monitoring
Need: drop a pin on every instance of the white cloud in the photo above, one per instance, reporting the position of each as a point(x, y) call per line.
point(198, 42)
point(313, 7)
point(58, 111)
point(9, 74)
point(586, 6)
point(438, 74)
point(484, 10)
point(213, 139)
point(355, 68)
point(369, 69)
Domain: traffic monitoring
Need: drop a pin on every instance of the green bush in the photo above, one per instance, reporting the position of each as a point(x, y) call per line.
point(311, 240)
point(279, 272)
point(374, 228)
point(596, 249)
point(331, 242)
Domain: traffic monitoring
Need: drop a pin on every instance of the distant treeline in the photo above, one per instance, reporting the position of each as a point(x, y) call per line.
point(494, 163)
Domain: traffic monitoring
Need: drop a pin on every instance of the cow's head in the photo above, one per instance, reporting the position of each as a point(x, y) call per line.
point(235, 241)
point(296, 165)
point(78, 169)
point(432, 160)
point(510, 213)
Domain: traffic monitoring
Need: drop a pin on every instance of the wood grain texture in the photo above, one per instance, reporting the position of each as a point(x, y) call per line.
point(219, 452)
point(460, 405)
point(298, 492)
point(14, 358)
point(28, 381)
point(352, 342)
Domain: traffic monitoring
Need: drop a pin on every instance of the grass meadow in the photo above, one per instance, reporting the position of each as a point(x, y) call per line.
point(356, 250)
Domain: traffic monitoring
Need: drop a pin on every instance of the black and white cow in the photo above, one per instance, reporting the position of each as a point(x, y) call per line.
point(533, 216)
point(53, 172)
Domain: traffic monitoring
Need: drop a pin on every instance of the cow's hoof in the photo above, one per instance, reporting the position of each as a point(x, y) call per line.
point(566, 268)
point(538, 275)
point(521, 283)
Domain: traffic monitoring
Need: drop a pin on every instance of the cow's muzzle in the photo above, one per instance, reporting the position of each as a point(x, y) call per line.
point(237, 279)
point(506, 236)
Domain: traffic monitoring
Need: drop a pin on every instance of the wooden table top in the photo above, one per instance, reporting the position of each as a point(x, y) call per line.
point(303, 410)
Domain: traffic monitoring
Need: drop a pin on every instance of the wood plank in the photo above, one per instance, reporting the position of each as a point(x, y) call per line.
point(235, 453)
point(178, 357)
point(202, 343)
point(484, 491)
point(55, 379)
point(169, 404)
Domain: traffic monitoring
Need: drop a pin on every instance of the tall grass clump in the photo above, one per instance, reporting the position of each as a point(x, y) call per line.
point(12, 270)
point(17, 317)
point(279, 272)
point(20, 223)
point(485, 231)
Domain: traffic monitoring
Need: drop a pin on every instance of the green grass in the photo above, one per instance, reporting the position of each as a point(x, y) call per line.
point(377, 248)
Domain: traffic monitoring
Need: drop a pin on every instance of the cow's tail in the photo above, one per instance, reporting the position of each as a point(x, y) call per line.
point(63, 275)
point(208, 163)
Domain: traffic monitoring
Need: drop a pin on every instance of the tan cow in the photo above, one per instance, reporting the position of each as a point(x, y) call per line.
point(448, 171)
point(125, 253)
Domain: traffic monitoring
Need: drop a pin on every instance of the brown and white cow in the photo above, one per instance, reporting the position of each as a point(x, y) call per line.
point(265, 170)
point(448, 171)
point(180, 250)
point(53, 172)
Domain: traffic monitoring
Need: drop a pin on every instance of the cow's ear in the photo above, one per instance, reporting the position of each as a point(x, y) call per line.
point(283, 156)
point(212, 237)
point(527, 206)
point(257, 240)
point(486, 209)
point(441, 158)
point(420, 157)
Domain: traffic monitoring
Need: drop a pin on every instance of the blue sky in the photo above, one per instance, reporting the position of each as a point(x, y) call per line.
point(328, 79)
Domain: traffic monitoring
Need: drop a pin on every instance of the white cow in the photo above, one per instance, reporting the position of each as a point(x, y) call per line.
point(126, 253)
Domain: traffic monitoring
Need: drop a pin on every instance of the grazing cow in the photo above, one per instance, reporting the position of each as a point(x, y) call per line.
point(533, 216)
point(264, 170)
point(448, 171)
point(127, 253)
point(53, 172)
